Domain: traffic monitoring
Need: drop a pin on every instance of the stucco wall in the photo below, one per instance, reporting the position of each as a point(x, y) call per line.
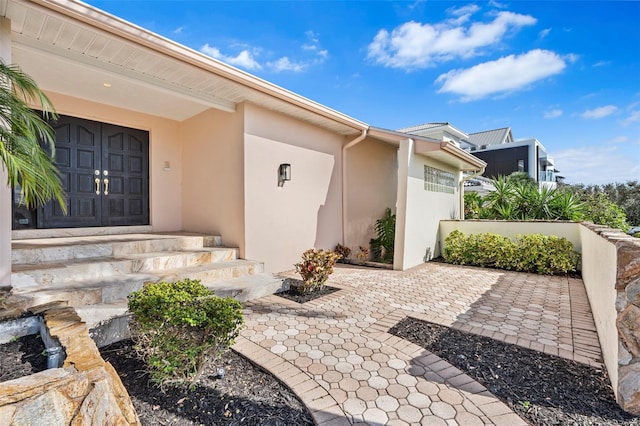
point(164, 145)
point(5, 191)
point(213, 182)
point(424, 211)
point(371, 185)
point(599, 262)
point(282, 222)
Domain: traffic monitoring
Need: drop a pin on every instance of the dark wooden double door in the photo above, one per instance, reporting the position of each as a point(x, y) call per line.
point(105, 173)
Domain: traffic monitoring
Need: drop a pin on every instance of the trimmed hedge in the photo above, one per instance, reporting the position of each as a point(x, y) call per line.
point(177, 327)
point(537, 253)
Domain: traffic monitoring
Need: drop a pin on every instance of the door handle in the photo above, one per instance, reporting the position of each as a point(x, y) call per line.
point(97, 181)
point(106, 186)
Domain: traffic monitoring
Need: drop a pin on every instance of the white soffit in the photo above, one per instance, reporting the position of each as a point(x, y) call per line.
point(73, 58)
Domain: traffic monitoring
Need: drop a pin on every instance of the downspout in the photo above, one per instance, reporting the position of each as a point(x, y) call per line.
point(344, 181)
point(461, 190)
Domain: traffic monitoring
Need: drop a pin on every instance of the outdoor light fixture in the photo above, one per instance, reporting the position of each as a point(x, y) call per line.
point(284, 173)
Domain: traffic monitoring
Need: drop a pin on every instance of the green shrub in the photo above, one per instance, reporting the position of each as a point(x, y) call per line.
point(315, 268)
point(637, 235)
point(601, 210)
point(528, 253)
point(178, 327)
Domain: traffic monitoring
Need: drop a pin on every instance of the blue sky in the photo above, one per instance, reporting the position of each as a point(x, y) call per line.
point(564, 72)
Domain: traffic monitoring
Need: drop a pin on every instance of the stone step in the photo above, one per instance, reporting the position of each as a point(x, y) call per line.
point(214, 271)
point(109, 322)
point(83, 293)
point(248, 287)
point(54, 274)
point(68, 248)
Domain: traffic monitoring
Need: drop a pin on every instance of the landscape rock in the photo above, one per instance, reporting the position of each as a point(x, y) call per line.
point(628, 324)
point(87, 391)
point(628, 395)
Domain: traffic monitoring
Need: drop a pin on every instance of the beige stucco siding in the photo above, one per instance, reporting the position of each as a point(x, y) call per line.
point(306, 212)
point(417, 235)
point(599, 269)
point(5, 191)
point(371, 184)
point(212, 194)
point(165, 187)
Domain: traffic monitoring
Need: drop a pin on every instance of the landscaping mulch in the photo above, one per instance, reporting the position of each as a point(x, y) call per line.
point(543, 389)
point(303, 298)
point(22, 357)
point(245, 395)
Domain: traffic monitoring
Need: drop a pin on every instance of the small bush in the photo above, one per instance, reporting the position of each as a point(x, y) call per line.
point(363, 254)
point(315, 268)
point(536, 253)
point(637, 235)
point(343, 251)
point(178, 327)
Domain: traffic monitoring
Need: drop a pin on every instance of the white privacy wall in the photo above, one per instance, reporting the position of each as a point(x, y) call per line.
point(420, 210)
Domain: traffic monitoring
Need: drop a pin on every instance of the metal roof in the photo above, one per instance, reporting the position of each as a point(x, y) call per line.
point(491, 137)
point(421, 127)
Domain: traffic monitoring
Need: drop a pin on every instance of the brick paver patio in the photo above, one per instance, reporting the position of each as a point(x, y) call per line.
point(336, 354)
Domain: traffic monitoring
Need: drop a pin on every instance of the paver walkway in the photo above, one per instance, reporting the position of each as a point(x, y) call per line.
point(336, 354)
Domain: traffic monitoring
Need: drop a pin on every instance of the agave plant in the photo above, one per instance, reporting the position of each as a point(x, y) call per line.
point(28, 165)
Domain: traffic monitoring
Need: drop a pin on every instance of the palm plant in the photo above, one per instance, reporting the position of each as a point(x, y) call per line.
point(382, 245)
point(501, 197)
point(28, 164)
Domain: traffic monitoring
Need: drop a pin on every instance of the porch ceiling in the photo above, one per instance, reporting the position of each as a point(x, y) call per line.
point(74, 49)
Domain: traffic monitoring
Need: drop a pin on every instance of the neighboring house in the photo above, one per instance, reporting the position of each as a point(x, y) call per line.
point(502, 153)
point(154, 136)
point(505, 155)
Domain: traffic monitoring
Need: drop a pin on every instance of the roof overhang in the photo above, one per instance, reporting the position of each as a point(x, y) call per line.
point(445, 152)
point(72, 48)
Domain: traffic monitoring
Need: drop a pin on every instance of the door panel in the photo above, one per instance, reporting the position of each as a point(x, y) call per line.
point(117, 157)
point(78, 155)
point(127, 156)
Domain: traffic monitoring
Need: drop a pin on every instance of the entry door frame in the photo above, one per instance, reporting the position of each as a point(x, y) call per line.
point(105, 173)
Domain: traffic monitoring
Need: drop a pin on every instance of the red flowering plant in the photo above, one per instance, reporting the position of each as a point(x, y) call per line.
point(315, 268)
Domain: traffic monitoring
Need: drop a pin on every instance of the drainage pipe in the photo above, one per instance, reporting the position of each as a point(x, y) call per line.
point(461, 190)
point(352, 143)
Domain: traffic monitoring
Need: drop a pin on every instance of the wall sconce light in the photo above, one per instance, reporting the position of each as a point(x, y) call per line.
point(284, 173)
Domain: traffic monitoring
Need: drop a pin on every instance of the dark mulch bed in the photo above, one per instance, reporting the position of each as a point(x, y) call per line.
point(246, 395)
point(303, 298)
point(542, 389)
point(22, 357)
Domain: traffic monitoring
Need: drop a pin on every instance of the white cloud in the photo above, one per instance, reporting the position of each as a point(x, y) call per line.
point(554, 113)
point(504, 75)
point(178, 30)
point(247, 58)
point(415, 45)
point(544, 33)
point(597, 164)
point(601, 63)
point(633, 117)
point(598, 113)
point(285, 64)
point(243, 59)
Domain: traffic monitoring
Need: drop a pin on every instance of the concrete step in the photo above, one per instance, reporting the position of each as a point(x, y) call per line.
point(67, 248)
point(54, 274)
point(109, 322)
